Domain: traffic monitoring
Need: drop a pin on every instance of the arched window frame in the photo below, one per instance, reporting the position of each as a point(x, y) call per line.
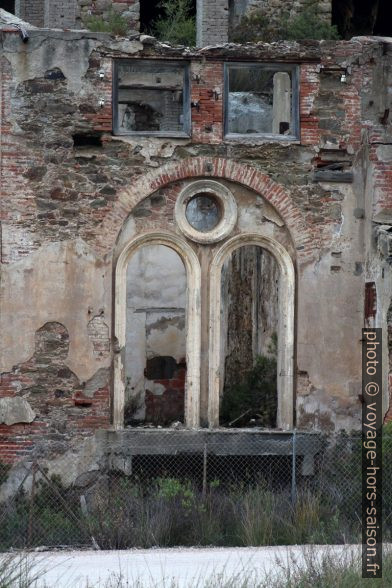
point(285, 359)
point(193, 333)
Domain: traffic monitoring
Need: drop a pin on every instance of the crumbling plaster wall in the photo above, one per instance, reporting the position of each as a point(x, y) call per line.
point(64, 204)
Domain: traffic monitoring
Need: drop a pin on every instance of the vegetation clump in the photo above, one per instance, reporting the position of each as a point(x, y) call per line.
point(253, 398)
point(257, 26)
point(177, 25)
point(114, 23)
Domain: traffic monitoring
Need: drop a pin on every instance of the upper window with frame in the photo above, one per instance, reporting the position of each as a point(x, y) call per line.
point(151, 98)
point(261, 101)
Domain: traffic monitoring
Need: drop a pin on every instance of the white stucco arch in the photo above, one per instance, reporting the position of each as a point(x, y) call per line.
point(285, 360)
point(193, 273)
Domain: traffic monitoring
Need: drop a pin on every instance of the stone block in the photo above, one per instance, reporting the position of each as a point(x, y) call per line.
point(15, 410)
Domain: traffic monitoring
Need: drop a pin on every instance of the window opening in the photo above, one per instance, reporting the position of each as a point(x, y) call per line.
point(249, 328)
point(203, 212)
point(151, 98)
point(362, 17)
point(155, 349)
point(261, 100)
point(8, 5)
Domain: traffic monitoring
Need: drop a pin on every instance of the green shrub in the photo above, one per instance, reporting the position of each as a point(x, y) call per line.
point(255, 396)
point(177, 26)
point(308, 25)
point(53, 520)
point(122, 513)
point(256, 26)
point(253, 27)
point(114, 24)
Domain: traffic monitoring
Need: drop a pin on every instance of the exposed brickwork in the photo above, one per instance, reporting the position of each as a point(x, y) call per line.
point(309, 121)
point(59, 188)
point(212, 22)
point(167, 407)
point(98, 332)
point(32, 11)
point(207, 100)
point(382, 178)
point(306, 239)
point(51, 389)
point(60, 14)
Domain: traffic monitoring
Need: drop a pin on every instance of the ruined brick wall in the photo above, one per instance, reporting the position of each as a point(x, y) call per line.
point(215, 19)
point(67, 204)
point(275, 9)
point(72, 14)
point(60, 14)
point(32, 11)
point(128, 9)
point(212, 22)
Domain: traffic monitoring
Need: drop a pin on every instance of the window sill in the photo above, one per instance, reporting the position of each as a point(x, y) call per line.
point(262, 139)
point(158, 135)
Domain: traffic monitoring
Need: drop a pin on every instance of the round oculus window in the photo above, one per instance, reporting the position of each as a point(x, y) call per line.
point(203, 212)
point(206, 211)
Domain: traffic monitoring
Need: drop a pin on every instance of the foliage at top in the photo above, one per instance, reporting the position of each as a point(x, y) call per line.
point(309, 25)
point(178, 25)
point(256, 26)
point(114, 24)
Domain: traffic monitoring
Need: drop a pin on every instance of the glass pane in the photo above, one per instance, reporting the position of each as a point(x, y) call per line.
point(150, 97)
point(203, 212)
point(259, 101)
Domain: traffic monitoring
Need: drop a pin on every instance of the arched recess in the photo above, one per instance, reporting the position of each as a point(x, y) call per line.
point(192, 266)
point(285, 359)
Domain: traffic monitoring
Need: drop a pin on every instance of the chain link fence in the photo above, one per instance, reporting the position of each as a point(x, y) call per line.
point(250, 490)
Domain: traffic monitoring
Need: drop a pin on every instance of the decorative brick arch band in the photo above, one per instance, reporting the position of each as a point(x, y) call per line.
point(306, 242)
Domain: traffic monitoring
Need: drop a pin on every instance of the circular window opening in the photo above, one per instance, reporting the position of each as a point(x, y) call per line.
point(203, 212)
point(206, 211)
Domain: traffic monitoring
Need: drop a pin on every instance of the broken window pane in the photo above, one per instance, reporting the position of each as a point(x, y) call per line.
point(152, 98)
point(260, 100)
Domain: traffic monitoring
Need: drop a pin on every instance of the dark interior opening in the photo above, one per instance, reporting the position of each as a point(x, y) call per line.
point(383, 26)
point(87, 140)
point(362, 17)
point(151, 10)
point(161, 368)
point(8, 5)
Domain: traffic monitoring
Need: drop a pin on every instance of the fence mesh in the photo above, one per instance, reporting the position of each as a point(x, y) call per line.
point(303, 488)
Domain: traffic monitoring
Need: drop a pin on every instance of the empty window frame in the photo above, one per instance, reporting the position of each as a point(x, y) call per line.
point(151, 98)
point(261, 100)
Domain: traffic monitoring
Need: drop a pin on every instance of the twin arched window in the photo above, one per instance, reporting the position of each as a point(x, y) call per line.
point(205, 324)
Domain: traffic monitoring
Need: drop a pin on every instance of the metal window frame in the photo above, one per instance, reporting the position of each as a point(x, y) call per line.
point(293, 69)
point(186, 133)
